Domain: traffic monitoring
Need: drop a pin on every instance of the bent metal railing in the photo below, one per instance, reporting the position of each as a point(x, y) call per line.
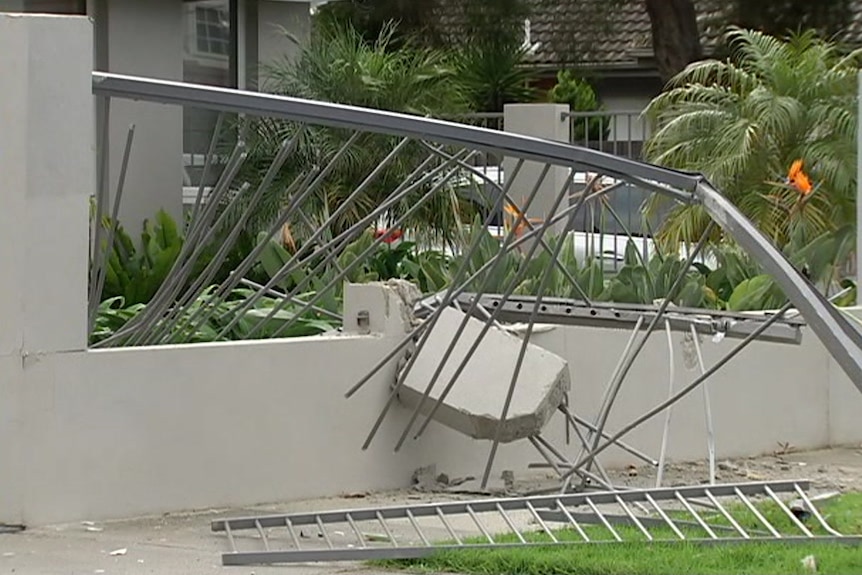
point(319, 176)
point(841, 338)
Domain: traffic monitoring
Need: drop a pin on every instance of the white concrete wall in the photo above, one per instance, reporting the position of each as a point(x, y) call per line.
point(139, 431)
point(46, 162)
point(845, 407)
point(116, 433)
point(770, 393)
point(845, 402)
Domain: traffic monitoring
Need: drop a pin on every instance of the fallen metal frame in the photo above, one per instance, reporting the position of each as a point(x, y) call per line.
point(620, 315)
point(341, 535)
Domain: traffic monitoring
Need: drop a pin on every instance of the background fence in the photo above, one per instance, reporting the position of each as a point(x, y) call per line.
point(622, 133)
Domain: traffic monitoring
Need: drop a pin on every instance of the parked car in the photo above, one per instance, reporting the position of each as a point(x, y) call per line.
point(602, 230)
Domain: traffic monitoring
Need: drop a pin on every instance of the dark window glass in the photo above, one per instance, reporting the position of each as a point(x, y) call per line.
point(209, 47)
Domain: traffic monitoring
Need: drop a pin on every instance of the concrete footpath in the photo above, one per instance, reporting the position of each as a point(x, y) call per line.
point(175, 544)
point(171, 545)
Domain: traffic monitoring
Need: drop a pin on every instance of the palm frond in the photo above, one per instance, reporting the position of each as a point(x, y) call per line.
point(743, 121)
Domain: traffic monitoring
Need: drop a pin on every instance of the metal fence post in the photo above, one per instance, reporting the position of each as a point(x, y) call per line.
point(858, 190)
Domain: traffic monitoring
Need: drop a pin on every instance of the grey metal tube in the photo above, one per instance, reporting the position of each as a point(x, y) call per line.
point(842, 339)
point(101, 257)
point(683, 392)
point(378, 121)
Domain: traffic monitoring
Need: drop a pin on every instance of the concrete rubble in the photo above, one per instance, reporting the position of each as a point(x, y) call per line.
point(475, 402)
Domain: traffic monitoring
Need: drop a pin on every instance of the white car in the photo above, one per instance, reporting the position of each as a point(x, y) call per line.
point(626, 223)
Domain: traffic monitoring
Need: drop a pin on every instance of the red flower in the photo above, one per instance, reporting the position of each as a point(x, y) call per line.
point(389, 236)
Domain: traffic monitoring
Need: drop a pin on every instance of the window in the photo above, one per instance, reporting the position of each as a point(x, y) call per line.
point(208, 31)
point(212, 31)
point(209, 58)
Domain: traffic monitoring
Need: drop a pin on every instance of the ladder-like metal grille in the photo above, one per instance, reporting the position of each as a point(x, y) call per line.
point(713, 514)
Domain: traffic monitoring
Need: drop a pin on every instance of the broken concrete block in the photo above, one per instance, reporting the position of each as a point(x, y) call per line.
point(379, 307)
point(424, 478)
point(475, 403)
point(508, 477)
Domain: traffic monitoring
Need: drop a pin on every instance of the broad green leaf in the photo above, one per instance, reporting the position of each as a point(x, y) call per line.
point(752, 294)
point(272, 258)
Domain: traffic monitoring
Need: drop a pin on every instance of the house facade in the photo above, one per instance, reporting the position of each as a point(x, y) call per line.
point(214, 42)
point(612, 46)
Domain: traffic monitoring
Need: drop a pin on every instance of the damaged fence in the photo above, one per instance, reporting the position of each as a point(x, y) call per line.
point(330, 185)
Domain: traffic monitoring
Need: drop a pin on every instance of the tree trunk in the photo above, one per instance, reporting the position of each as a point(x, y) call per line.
point(675, 37)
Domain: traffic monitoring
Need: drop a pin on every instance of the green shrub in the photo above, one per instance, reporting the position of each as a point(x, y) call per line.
point(581, 97)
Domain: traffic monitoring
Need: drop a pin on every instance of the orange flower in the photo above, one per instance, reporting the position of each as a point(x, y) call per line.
point(517, 217)
point(799, 179)
point(512, 210)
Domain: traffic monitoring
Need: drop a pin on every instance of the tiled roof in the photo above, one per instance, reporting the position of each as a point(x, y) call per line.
point(568, 31)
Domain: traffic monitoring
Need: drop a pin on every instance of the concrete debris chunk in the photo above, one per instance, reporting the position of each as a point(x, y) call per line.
point(475, 402)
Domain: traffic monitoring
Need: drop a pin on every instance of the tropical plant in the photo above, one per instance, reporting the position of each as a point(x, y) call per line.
point(744, 123)
point(493, 74)
point(739, 283)
point(134, 271)
point(645, 282)
point(113, 313)
point(581, 97)
point(369, 17)
point(136, 274)
point(736, 282)
point(339, 65)
point(428, 269)
point(513, 265)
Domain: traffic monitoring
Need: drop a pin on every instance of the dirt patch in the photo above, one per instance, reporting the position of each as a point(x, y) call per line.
point(828, 470)
point(834, 469)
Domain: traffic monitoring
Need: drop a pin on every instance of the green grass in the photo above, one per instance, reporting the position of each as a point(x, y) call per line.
point(636, 557)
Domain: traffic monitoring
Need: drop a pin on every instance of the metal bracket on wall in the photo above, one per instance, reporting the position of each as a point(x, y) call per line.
point(717, 514)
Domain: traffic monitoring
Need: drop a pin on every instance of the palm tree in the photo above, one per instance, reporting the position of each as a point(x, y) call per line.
point(493, 74)
point(746, 121)
point(339, 65)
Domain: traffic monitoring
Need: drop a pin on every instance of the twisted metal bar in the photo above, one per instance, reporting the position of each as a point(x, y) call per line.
point(638, 347)
point(686, 390)
point(540, 292)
